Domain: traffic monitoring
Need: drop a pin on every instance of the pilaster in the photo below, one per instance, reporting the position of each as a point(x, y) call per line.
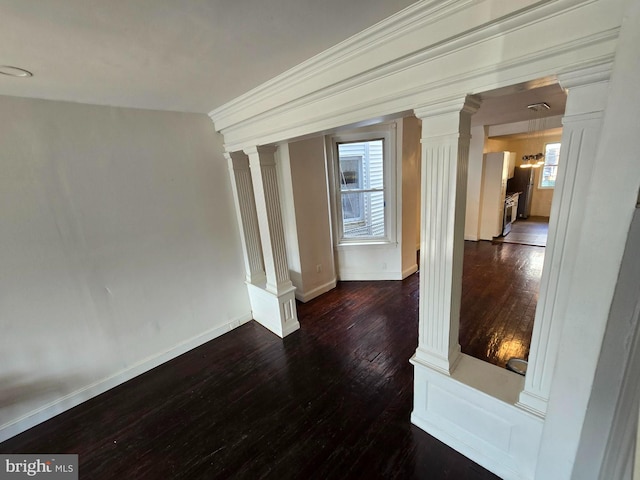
point(265, 185)
point(273, 304)
point(445, 149)
point(582, 121)
point(247, 216)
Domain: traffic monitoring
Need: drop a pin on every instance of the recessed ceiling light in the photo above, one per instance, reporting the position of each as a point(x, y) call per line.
point(14, 71)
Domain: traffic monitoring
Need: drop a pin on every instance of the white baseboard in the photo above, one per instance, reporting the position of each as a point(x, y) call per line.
point(473, 238)
point(382, 275)
point(409, 271)
point(315, 292)
point(33, 418)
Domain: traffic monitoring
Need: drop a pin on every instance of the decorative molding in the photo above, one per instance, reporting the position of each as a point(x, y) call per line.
point(522, 127)
point(409, 271)
point(279, 110)
point(423, 17)
point(267, 199)
point(69, 401)
point(445, 151)
point(276, 313)
point(480, 423)
point(468, 104)
point(579, 144)
point(316, 292)
point(588, 75)
point(247, 216)
point(367, 276)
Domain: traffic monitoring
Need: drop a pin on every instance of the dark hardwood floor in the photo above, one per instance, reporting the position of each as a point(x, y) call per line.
point(500, 287)
point(531, 231)
point(332, 400)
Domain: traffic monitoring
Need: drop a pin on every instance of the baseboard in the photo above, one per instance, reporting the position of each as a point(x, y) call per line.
point(382, 275)
point(75, 398)
point(473, 238)
point(316, 292)
point(409, 271)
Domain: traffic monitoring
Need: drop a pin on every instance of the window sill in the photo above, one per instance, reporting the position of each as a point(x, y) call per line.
point(366, 243)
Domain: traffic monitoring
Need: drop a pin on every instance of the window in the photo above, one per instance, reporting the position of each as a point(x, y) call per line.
point(361, 168)
point(550, 167)
point(362, 199)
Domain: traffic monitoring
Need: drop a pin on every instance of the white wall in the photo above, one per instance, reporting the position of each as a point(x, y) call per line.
point(306, 218)
point(410, 208)
point(119, 249)
point(474, 183)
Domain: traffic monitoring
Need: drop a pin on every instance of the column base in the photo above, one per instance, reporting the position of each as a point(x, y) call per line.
point(439, 363)
point(275, 312)
point(532, 403)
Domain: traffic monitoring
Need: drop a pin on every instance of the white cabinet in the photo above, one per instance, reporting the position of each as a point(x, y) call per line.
point(495, 172)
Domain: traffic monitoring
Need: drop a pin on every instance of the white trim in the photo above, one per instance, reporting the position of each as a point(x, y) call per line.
point(409, 271)
point(388, 133)
point(341, 85)
point(35, 417)
point(521, 127)
point(472, 411)
point(367, 276)
point(413, 20)
point(316, 292)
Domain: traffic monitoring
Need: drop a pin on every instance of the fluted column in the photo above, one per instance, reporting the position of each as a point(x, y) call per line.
point(265, 185)
point(273, 303)
point(246, 214)
point(582, 121)
point(446, 134)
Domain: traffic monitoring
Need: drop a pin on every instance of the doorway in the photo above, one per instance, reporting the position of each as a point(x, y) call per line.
point(502, 273)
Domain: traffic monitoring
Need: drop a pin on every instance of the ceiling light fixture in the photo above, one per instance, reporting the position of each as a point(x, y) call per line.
point(14, 71)
point(534, 136)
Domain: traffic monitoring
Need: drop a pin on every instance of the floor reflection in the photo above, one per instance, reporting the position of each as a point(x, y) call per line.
point(499, 295)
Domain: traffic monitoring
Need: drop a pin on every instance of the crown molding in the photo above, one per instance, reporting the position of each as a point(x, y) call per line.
point(352, 82)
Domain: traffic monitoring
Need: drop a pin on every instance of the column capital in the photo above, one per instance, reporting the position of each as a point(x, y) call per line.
point(468, 104)
point(261, 150)
point(237, 160)
point(585, 76)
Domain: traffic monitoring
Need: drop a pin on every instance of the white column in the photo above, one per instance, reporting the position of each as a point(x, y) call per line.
point(265, 186)
point(247, 216)
point(582, 121)
point(445, 150)
point(273, 304)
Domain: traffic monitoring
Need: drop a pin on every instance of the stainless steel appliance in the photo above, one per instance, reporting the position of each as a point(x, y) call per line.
point(509, 216)
point(522, 182)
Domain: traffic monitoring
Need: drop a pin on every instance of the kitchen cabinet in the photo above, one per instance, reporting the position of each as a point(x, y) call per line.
point(496, 168)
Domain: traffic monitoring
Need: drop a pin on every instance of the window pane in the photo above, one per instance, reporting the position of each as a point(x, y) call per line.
point(551, 153)
point(350, 173)
point(361, 164)
point(363, 214)
point(550, 169)
point(352, 207)
point(549, 176)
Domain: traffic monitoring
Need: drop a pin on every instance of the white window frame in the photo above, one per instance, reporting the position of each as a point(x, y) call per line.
point(540, 185)
point(386, 133)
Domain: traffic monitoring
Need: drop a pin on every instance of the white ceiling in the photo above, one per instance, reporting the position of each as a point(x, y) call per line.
point(184, 55)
